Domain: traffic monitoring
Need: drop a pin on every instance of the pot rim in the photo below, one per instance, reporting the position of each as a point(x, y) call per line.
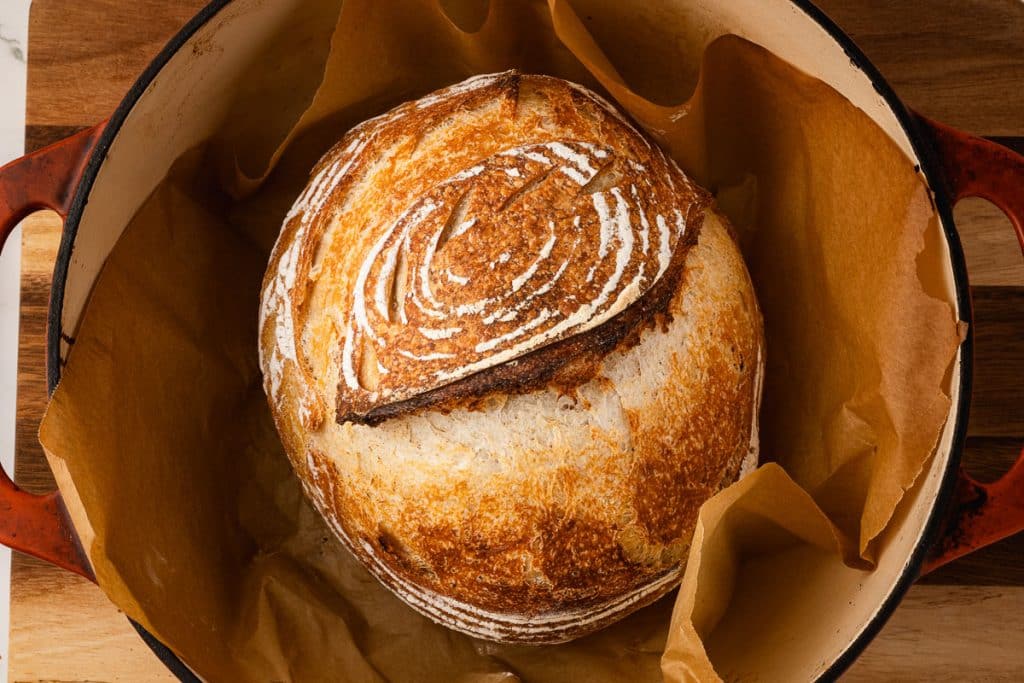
point(930, 167)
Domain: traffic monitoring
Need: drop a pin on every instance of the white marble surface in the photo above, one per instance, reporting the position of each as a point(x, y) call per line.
point(13, 61)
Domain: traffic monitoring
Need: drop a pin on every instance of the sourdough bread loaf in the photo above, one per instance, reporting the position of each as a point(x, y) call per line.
point(510, 349)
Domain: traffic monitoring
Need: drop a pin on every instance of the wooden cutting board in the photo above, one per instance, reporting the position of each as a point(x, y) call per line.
point(961, 63)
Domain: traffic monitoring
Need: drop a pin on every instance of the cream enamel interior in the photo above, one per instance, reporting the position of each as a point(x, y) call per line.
point(190, 97)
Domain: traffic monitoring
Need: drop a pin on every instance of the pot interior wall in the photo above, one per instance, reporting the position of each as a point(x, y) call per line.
point(190, 97)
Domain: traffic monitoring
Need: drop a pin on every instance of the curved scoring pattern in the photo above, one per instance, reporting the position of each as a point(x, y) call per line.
point(523, 239)
point(440, 295)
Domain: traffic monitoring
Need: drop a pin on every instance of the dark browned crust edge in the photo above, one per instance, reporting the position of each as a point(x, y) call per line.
point(566, 363)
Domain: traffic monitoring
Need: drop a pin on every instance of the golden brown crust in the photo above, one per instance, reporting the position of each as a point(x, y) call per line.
point(552, 491)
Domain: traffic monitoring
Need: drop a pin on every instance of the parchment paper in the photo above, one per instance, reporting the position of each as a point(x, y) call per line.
point(193, 519)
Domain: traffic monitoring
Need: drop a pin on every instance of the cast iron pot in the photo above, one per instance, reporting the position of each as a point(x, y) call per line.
point(99, 177)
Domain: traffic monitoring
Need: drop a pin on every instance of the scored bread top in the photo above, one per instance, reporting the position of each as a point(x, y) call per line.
point(499, 235)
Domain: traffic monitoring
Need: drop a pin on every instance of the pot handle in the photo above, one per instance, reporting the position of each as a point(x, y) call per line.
point(46, 179)
point(980, 514)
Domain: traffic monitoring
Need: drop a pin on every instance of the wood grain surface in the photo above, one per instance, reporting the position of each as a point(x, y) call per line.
point(961, 63)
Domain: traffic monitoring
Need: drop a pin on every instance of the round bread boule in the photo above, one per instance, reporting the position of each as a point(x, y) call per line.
point(510, 350)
